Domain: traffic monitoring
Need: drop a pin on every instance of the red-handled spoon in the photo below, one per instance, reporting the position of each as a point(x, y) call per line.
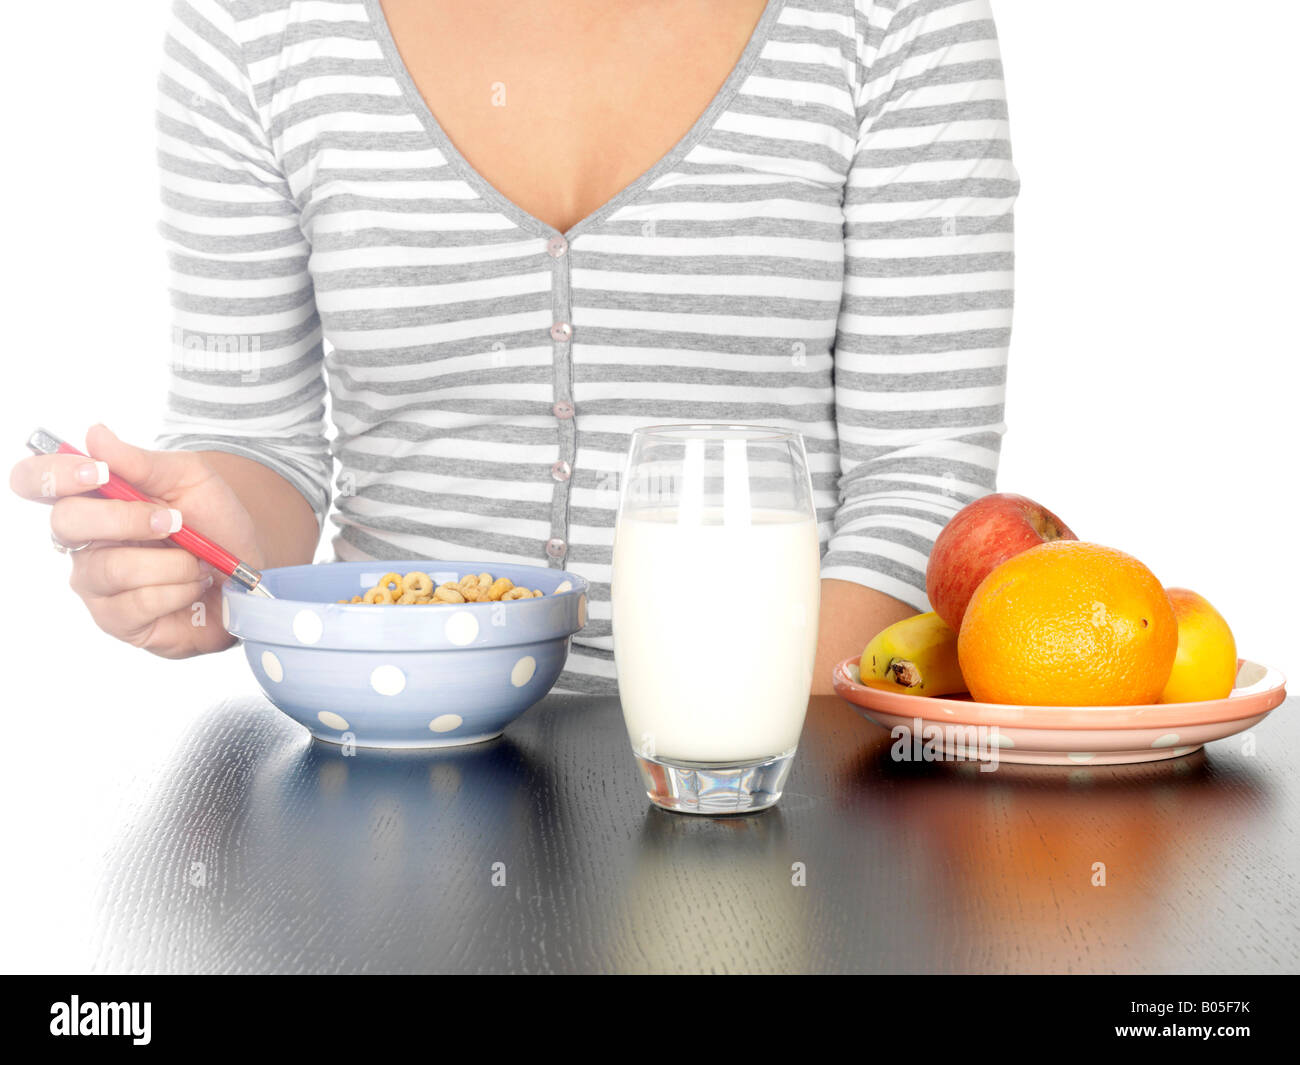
point(44, 442)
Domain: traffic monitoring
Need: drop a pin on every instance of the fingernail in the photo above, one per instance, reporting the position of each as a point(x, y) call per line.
point(206, 583)
point(92, 473)
point(165, 521)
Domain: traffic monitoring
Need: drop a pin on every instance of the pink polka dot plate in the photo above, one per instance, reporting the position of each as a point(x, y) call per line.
point(1063, 735)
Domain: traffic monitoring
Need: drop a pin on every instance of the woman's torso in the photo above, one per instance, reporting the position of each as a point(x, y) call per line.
point(486, 369)
point(560, 104)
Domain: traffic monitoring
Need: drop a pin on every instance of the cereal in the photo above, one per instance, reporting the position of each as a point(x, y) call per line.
point(418, 583)
point(469, 587)
point(417, 589)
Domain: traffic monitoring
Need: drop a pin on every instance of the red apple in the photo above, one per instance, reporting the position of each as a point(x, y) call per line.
point(979, 538)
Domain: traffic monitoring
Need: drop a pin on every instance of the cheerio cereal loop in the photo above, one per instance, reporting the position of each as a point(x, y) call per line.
point(417, 583)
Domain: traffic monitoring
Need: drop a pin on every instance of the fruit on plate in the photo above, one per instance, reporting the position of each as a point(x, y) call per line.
point(917, 655)
point(1069, 623)
point(1206, 664)
point(979, 538)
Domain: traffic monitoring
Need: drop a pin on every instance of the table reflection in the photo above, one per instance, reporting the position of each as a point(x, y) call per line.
point(258, 849)
point(263, 837)
point(1026, 859)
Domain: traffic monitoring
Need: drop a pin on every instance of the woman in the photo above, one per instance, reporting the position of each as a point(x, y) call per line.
point(622, 214)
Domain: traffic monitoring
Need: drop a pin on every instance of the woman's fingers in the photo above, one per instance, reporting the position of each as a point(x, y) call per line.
point(136, 587)
point(45, 478)
point(107, 571)
point(155, 473)
point(77, 519)
point(131, 615)
point(129, 591)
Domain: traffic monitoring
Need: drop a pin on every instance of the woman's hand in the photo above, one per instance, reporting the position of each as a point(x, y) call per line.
point(137, 586)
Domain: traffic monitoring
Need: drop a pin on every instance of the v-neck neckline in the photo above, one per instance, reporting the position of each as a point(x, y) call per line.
point(503, 204)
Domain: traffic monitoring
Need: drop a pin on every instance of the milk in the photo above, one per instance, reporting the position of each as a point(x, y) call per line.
point(715, 631)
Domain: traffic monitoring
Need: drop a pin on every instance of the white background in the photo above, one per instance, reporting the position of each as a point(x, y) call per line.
point(1153, 386)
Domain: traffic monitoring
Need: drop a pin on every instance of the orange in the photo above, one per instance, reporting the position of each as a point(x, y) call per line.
point(1206, 664)
point(1068, 623)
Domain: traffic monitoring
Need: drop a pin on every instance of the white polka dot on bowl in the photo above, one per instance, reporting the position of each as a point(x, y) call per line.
point(387, 680)
point(271, 667)
point(1169, 739)
point(446, 722)
point(307, 626)
point(461, 628)
point(332, 720)
point(523, 671)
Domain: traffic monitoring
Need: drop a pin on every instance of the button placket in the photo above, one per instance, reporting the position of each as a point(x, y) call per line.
point(559, 253)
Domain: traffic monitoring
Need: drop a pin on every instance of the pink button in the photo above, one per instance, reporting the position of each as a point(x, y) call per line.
point(561, 331)
point(563, 410)
point(556, 548)
point(561, 471)
point(556, 246)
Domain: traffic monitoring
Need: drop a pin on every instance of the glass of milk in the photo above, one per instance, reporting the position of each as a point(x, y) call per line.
point(716, 589)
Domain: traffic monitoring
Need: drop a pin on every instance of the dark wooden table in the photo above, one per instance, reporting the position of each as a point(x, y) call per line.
point(260, 850)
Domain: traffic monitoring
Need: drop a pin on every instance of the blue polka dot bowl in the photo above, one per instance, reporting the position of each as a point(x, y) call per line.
point(404, 676)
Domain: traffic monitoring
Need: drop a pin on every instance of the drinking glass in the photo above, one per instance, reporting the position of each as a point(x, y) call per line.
point(716, 590)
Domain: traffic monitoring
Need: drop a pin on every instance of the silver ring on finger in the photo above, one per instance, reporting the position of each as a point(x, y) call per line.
point(68, 549)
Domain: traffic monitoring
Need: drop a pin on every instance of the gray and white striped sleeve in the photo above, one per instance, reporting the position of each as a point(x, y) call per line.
point(246, 369)
point(924, 327)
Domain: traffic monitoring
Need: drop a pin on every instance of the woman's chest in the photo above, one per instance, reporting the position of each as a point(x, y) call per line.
point(419, 259)
point(560, 104)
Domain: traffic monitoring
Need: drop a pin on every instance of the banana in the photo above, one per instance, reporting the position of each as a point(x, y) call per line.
point(917, 655)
